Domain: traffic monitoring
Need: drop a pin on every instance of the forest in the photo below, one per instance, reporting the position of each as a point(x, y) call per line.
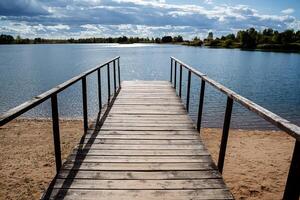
point(268, 39)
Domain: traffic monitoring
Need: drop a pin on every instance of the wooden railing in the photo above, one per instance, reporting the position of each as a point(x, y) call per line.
point(52, 94)
point(292, 188)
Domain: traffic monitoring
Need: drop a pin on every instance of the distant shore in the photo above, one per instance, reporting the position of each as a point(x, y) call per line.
point(264, 48)
point(256, 164)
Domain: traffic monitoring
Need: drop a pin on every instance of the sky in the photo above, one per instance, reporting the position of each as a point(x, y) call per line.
point(143, 18)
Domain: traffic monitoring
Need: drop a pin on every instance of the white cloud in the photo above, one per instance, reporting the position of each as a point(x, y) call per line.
point(209, 2)
point(288, 11)
point(74, 18)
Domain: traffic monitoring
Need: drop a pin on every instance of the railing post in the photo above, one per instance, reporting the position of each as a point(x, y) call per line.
point(55, 127)
point(188, 91)
point(171, 73)
point(108, 83)
point(99, 89)
point(175, 73)
point(200, 109)
point(115, 83)
point(180, 80)
point(119, 75)
point(225, 134)
point(84, 105)
point(292, 187)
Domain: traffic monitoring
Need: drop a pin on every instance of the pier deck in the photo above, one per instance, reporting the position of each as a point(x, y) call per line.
point(147, 148)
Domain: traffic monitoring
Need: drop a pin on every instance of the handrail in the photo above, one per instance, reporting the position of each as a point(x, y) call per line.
point(293, 180)
point(24, 107)
point(52, 93)
point(278, 121)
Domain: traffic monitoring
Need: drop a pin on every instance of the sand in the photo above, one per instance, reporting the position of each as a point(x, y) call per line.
point(256, 164)
point(27, 156)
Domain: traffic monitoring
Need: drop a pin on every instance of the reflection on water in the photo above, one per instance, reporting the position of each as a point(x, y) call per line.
point(269, 79)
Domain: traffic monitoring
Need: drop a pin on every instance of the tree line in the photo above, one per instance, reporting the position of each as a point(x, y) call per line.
point(253, 39)
point(8, 39)
point(244, 39)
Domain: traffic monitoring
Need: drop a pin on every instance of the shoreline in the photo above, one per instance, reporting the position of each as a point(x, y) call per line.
point(256, 163)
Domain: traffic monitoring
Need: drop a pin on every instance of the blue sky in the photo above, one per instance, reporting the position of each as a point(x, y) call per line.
point(147, 18)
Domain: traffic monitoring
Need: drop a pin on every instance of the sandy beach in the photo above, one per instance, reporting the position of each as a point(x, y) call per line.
point(27, 155)
point(256, 164)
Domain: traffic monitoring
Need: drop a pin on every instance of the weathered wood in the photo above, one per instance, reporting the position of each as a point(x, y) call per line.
point(293, 181)
point(140, 141)
point(200, 108)
point(140, 159)
point(147, 136)
point(225, 133)
point(139, 166)
point(56, 135)
point(84, 105)
point(152, 152)
point(147, 143)
point(143, 132)
point(142, 194)
point(142, 184)
point(136, 175)
point(127, 147)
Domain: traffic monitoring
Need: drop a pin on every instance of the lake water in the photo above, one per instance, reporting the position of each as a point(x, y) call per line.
point(270, 79)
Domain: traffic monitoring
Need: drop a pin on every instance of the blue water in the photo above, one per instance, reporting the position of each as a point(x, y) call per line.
point(270, 79)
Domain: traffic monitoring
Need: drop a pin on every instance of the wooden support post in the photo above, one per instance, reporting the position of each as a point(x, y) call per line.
point(99, 89)
point(292, 187)
point(108, 84)
point(84, 105)
point(226, 126)
point(171, 73)
point(180, 80)
point(200, 109)
point(175, 73)
point(119, 73)
point(188, 89)
point(55, 127)
point(115, 81)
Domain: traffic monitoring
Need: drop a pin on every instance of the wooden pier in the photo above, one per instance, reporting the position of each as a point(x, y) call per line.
point(147, 148)
point(143, 145)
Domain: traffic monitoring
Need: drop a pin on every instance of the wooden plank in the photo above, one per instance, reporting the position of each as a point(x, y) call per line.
point(208, 194)
point(143, 132)
point(139, 124)
point(164, 107)
point(153, 152)
point(139, 147)
point(139, 159)
point(145, 136)
point(139, 166)
point(151, 112)
point(147, 128)
point(147, 148)
point(137, 175)
point(139, 141)
point(141, 184)
point(178, 116)
point(139, 82)
point(131, 122)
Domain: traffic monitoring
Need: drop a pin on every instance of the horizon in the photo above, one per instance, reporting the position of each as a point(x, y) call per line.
point(143, 18)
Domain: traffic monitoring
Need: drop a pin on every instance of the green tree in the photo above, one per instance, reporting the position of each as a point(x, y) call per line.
point(210, 36)
point(6, 39)
point(166, 39)
point(178, 38)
